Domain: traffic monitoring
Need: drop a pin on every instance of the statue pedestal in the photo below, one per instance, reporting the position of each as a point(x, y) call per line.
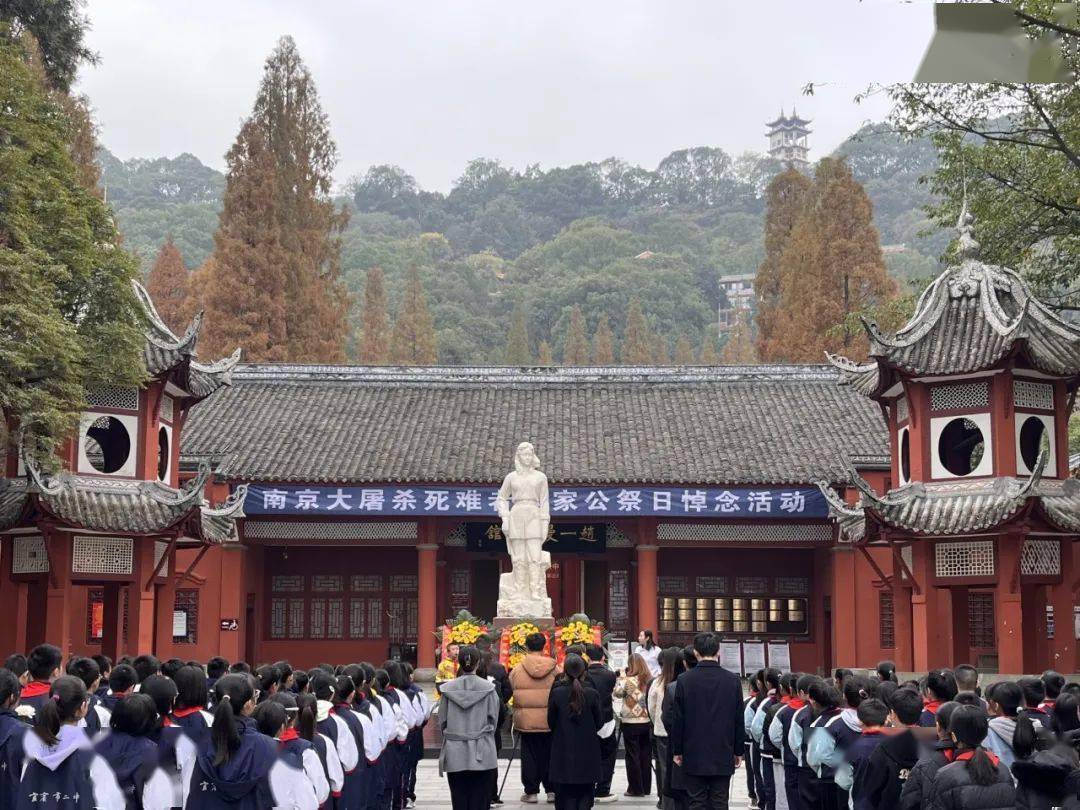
point(503, 622)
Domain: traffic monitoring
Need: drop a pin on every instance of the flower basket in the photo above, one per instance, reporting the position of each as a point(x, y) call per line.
point(578, 629)
point(462, 629)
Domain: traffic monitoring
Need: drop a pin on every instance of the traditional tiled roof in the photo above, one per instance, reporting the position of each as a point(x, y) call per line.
point(968, 320)
point(692, 425)
point(957, 508)
point(109, 504)
point(165, 353)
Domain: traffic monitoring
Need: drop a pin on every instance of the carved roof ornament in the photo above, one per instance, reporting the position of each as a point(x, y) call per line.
point(167, 353)
point(967, 320)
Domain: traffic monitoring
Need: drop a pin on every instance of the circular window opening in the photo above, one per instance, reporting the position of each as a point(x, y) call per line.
point(1033, 440)
point(905, 456)
point(107, 444)
point(961, 446)
point(162, 453)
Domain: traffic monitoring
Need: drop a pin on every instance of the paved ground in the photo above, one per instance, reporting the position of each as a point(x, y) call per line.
point(432, 792)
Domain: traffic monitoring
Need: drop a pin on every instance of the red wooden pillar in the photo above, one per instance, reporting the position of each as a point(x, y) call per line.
point(843, 607)
point(958, 631)
point(13, 602)
point(233, 603)
point(647, 616)
point(58, 602)
point(928, 649)
point(141, 617)
point(165, 601)
point(112, 631)
point(901, 590)
point(1008, 605)
point(427, 557)
point(1063, 647)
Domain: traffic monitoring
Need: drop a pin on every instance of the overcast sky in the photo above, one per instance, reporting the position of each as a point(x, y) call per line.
point(431, 85)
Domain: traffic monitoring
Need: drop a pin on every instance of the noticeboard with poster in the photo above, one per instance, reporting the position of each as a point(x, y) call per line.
point(780, 655)
point(731, 656)
point(753, 655)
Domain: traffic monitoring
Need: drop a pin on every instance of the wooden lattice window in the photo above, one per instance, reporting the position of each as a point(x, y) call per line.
point(886, 617)
point(186, 601)
point(981, 619)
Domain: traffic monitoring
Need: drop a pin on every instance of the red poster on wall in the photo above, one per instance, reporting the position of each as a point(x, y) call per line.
point(97, 619)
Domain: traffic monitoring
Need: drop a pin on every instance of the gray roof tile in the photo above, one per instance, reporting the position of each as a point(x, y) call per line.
point(716, 425)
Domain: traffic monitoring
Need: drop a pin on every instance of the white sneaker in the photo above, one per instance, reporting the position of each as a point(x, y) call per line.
point(551, 798)
point(529, 798)
point(410, 804)
point(611, 797)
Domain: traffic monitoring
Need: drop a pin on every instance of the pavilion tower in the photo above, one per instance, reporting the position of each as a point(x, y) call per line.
point(116, 512)
point(787, 140)
point(982, 516)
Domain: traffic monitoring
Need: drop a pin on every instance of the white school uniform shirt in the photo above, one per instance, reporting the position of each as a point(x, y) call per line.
point(426, 705)
point(408, 712)
point(290, 792)
point(334, 772)
point(180, 780)
point(316, 776)
point(346, 743)
point(372, 744)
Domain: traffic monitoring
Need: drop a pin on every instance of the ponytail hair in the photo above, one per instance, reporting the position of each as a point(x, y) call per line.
point(969, 727)
point(231, 694)
point(468, 659)
point(1024, 739)
point(67, 694)
point(10, 687)
point(305, 722)
point(574, 669)
point(344, 689)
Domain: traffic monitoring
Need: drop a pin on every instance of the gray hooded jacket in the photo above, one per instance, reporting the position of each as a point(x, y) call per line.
point(468, 714)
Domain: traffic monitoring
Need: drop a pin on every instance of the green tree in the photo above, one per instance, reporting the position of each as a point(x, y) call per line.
point(69, 318)
point(59, 28)
point(291, 119)
point(684, 352)
point(576, 345)
point(708, 355)
point(413, 341)
point(543, 354)
point(375, 339)
point(603, 343)
point(517, 339)
point(636, 349)
point(787, 197)
point(168, 286)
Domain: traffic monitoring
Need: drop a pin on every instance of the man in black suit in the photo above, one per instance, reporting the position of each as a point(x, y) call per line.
point(602, 679)
point(707, 733)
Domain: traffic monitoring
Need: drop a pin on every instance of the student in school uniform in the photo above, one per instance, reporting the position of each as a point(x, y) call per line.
point(368, 707)
point(240, 768)
point(344, 694)
point(272, 719)
point(58, 757)
point(396, 733)
point(176, 751)
point(105, 666)
point(320, 743)
point(772, 738)
point(43, 665)
point(826, 701)
point(329, 723)
point(762, 746)
point(422, 707)
point(133, 755)
point(831, 741)
point(189, 710)
point(12, 729)
point(123, 681)
point(798, 739)
point(778, 732)
point(940, 688)
point(97, 716)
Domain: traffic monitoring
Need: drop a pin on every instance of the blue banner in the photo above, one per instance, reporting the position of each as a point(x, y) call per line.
point(411, 501)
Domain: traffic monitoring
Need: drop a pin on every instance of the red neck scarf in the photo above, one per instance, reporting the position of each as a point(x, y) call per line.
point(932, 705)
point(796, 703)
point(187, 712)
point(289, 734)
point(36, 689)
point(966, 755)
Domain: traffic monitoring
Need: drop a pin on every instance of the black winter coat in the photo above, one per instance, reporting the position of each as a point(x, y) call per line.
point(707, 728)
point(602, 679)
point(1048, 779)
point(881, 778)
point(501, 677)
point(916, 789)
point(575, 746)
point(953, 789)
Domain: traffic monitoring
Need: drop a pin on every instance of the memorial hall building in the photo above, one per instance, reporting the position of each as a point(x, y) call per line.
point(914, 507)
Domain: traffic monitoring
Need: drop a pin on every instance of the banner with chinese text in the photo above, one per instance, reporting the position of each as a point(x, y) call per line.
point(406, 501)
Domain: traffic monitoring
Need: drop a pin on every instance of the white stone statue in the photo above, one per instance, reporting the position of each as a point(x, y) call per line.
point(523, 507)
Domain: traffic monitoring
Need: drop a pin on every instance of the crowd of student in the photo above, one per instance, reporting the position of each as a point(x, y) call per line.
point(940, 742)
point(149, 735)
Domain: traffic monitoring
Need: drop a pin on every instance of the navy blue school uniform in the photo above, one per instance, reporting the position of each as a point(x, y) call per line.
point(93, 719)
point(354, 791)
point(361, 776)
point(376, 769)
point(789, 758)
point(396, 767)
point(110, 700)
point(858, 755)
point(12, 729)
point(62, 770)
point(242, 783)
point(102, 691)
point(194, 725)
point(34, 694)
point(133, 760)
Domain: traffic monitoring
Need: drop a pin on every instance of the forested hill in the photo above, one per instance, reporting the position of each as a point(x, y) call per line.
point(593, 234)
